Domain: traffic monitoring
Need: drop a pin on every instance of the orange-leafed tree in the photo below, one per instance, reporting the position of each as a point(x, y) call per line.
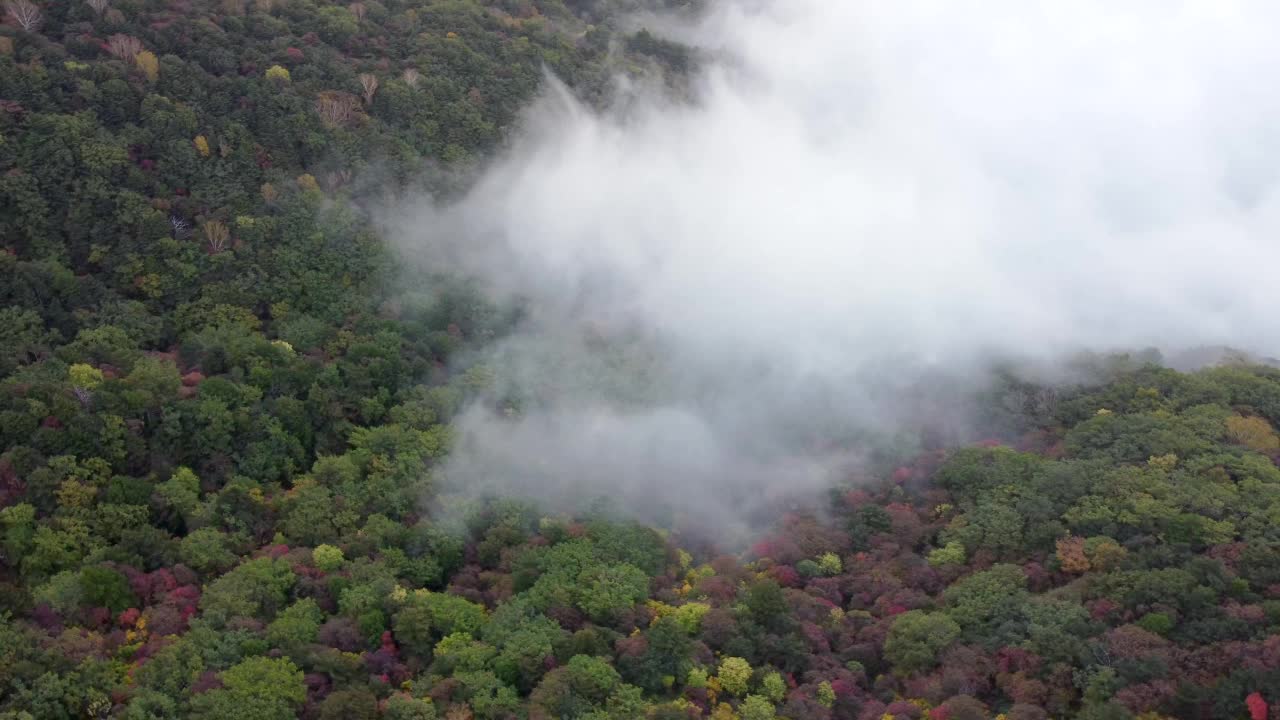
point(1071, 554)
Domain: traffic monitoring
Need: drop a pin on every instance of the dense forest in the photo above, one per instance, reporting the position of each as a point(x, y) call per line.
point(221, 410)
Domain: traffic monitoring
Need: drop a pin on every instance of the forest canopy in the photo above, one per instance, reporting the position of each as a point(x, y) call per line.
point(224, 412)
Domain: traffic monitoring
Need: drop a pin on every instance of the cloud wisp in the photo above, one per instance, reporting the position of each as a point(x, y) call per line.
point(858, 193)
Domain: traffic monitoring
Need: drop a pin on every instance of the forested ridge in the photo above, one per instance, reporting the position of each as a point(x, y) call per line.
point(223, 410)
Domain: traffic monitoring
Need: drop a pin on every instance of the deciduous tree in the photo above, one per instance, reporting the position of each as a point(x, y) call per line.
point(24, 13)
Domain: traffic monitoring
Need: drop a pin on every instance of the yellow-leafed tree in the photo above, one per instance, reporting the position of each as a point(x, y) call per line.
point(1254, 433)
point(277, 73)
point(149, 64)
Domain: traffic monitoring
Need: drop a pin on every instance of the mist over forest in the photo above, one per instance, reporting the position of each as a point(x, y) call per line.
point(639, 359)
point(721, 285)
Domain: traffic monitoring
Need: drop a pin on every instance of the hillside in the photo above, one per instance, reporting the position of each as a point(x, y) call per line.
point(224, 408)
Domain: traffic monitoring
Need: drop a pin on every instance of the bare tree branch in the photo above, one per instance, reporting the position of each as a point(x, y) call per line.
point(369, 82)
point(124, 47)
point(216, 235)
point(336, 108)
point(24, 13)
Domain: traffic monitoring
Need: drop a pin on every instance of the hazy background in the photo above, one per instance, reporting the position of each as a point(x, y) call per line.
point(725, 295)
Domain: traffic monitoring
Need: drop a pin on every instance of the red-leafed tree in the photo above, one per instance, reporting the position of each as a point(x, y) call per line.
point(1257, 706)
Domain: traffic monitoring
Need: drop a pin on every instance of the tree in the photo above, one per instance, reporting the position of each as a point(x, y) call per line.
point(296, 625)
point(487, 695)
point(349, 705)
point(582, 687)
point(312, 515)
point(734, 674)
point(1104, 553)
point(105, 587)
point(830, 564)
point(917, 638)
point(981, 602)
point(181, 493)
point(124, 47)
point(953, 553)
point(826, 695)
point(172, 670)
point(1254, 433)
point(216, 234)
point(256, 588)
point(327, 557)
point(450, 613)
point(402, 706)
point(336, 109)
point(606, 591)
point(965, 707)
point(425, 617)
point(522, 657)
point(773, 687)
point(148, 64)
point(755, 707)
point(84, 379)
point(1257, 706)
point(369, 86)
point(258, 688)
point(19, 523)
point(24, 13)
point(460, 651)
point(766, 604)
point(1071, 555)
point(23, 338)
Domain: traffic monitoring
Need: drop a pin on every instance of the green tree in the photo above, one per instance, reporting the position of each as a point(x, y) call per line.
point(258, 688)
point(773, 687)
point(983, 601)
point(353, 704)
point(327, 557)
point(401, 706)
point(952, 553)
point(206, 550)
point(734, 674)
point(580, 688)
point(256, 588)
point(105, 587)
point(312, 517)
point(23, 337)
point(296, 625)
point(755, 707)
point(606, 591)
point(181, 492)
point(172, 670)
point(19, 523)
point(917, 638)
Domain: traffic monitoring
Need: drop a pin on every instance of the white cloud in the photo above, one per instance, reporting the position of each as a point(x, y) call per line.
point(917, 179)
